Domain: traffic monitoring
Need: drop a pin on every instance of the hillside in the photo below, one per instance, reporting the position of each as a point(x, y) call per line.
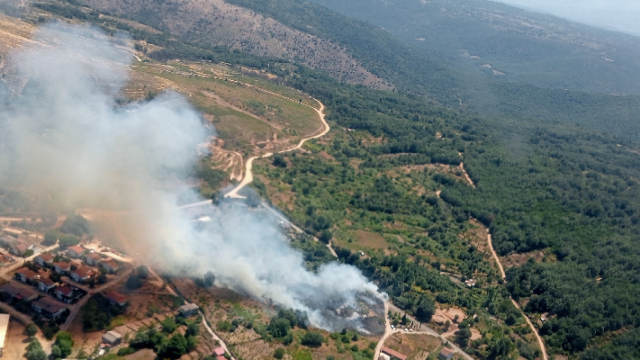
point(408, 190)
point(216, 23)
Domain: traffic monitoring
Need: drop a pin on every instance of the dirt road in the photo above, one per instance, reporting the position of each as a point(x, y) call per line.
point(515, 303)
point(248, 175)
point(424, 329)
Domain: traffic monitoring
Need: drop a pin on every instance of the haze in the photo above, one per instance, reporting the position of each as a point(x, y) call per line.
point(619, 15)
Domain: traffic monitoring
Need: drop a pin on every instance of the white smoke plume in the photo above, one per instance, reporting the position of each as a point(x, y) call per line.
point(66, 139)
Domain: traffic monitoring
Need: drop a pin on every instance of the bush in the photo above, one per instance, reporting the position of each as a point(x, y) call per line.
point(169, 326)
point(76, 225)
point(126, 351)
point(64, 343)
point(279, 353)
point(133, 282)
point(312, 339)
point(68, 240)
point(142, 271)
point(223, 325)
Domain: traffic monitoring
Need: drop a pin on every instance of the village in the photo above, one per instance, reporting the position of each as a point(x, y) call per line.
point(57, 288)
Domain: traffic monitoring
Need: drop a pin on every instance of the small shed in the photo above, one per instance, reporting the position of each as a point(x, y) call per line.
point(393, 354)
point(112, 338)
point(445, 354)
point(187, 310)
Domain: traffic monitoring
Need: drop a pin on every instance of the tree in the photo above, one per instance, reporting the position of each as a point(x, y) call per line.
point(289, 315)
point(67, 240)
point(192, 330)
point(126, 351)
point(50, 238)
point(142, 271)
point(312, 339)
point(76, 225)
point(279, 353)
point(325, 236)
point(462, 336)
point(169, 325)
point(279, 327)
point(426, 309)
point(56, 353)
point(31, 330)
point(133, 282)
point(192, 342)
point(279, 161)
point(64, 342)
point(174, 348)
point(35, 352)
point(102, 278)
point(209, 278)
point(27, 253)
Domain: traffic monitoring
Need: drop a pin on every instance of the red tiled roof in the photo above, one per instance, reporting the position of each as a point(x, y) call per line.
point(94, 256)
point(76, 248)
point(46, 257)
point(393, 353)
point(112, 264)
point(83, 271)
point(21, 246)
point(219, 351)
point(27, 273)
point(64, 265)
point(64, 290)
point(46, 282)
point(116, 296)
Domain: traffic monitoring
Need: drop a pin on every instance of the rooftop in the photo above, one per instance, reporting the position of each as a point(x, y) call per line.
point(393, 353)
point(219, 351)
point(189, 307)
point(46, 282)
point(4, 325)
point(446, 352)
point(46, 257)
point(27, 272)
point(112, 264)
point(83, 271)
point(76, 248)
point(116, 296)
point(48, 304)
point(64, 290)
point(62, 264)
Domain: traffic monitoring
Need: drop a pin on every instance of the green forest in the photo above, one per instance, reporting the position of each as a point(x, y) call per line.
point(540, 185)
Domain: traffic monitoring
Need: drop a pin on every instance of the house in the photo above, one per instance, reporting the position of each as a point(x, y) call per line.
point(18, 293)
point(61, 267)
point(187, 310)
point(445, 354)
point(7, 240)
point(45, 284)
point(64, 293)
point(112, 338)
point(81, 274)
point(4, 328)
point(470, 282)
point(116, 298)
point(393, 354)
point(75, 251)
point(25, 275)
point(110, 265)
point(44, 259)
point(19, 248)
point(48, 307)
point(92, 259)
point(76, 262)
point(219, 351)
point(5, 258)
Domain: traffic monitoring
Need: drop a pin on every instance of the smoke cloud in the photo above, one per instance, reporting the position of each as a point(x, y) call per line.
point(66, 139)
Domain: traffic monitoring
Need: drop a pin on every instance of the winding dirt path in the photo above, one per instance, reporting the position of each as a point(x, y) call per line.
point(248, 175)
point(515, 303)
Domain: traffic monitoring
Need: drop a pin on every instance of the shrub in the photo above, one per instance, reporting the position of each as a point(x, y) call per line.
point(279, 353)
point(126, 351)
point(312, 339)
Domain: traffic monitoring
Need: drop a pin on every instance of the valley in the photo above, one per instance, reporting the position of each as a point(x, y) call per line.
point(492, 207)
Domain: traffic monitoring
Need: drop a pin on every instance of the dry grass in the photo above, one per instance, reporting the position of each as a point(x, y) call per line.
point(415, 346)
